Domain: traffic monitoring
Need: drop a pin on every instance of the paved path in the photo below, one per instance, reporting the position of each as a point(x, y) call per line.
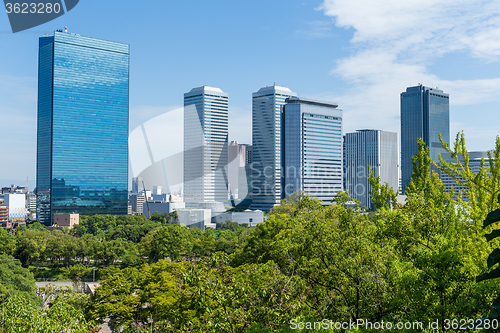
point(106, 327)
point(54, 283)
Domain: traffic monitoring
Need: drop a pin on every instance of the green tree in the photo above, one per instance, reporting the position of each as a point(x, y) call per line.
point(21, 316)
point(493, 259)
point(7, 243)
point(231, 300)
point(482, 187)
point(31, 245)
point(15, 280)
point(172, 241)
point(382, 195)
point(116, 298)
point(77, 272)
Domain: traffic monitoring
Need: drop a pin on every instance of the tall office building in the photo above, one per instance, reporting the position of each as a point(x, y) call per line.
point(82, 135)
point(370, 148)
point(266, 142)
point(312, 148)
point(425, 112)
point(205, 145)
point(137, 185)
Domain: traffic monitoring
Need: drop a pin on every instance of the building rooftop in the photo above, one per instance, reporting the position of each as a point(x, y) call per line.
point(205, 89)
point(274, 89)
point(310, 101)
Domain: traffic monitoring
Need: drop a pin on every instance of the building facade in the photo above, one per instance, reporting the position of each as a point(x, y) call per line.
point(4, 214)
point(237, 154)
point(249, 217)
point(17, 206)
point(137, 185)
point(137, 203)
point(199, 218)
point(370, 148)
point(425, 112)
point(66, 220)
point(205, 145)
point(82, 135)
point(266, 144)
point(312, 148)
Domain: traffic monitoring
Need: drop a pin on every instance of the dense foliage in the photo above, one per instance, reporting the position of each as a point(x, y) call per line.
point(411, 262)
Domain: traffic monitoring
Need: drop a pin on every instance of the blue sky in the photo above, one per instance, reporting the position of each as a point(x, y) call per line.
point(361, 54)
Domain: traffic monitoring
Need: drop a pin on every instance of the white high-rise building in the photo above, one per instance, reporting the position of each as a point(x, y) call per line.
point(375, 148)
point(237, 158)
point(205, 145)
point(312, 148)
point(266, 143)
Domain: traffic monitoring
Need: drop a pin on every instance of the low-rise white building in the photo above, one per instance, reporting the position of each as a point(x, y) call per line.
point(200, 218)
point(164, 207)
point(250, 217)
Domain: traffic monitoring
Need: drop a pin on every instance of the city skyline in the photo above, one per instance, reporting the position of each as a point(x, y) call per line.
point(358, 63)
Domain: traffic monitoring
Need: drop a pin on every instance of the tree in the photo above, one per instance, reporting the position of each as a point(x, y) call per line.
point(21, 316)
point(482, 187)
point(438, 250)
point(382, 195)
point(15, 280)
point(172, 241)
point(116, 298)
point(31, 245)
point(288, 205)
point(231, 300)
point(77, 272)
point(335, 251)
point(229, 225)
point(493, 259)
point(7, 243)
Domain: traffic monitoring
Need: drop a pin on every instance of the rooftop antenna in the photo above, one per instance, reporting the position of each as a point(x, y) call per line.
point(66, 29)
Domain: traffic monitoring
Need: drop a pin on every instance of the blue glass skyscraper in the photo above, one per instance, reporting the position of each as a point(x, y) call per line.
point(82, 135)
point(425, 112)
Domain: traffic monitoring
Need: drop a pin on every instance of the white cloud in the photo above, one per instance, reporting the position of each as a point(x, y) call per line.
point(395, 41)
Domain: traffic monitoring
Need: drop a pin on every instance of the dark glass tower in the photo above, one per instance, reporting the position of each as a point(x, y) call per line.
point(82, 135)
point(425, 112)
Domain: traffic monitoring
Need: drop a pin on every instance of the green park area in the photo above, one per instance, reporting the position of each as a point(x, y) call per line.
point(433, 259)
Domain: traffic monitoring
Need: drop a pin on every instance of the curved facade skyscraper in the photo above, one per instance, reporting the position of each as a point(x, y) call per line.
point(82, 130)
point(266, 141)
